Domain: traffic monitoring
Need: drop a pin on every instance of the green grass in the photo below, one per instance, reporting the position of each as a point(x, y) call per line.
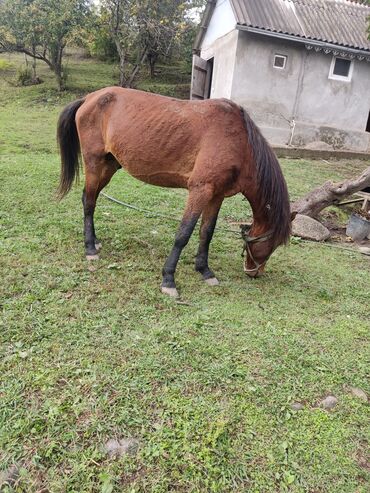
point(205, 386)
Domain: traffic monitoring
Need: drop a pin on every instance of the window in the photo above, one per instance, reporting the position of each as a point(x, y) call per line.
point(341, 69)
point(368, 124)
point(280, 61)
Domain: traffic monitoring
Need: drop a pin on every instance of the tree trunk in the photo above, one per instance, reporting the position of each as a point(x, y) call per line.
point(136, 69)
point(329, 194)
point(152, 59)
point(58, 71)
point(122, 63)
point(152, 68)
point(60, 80)
point(56, 58)
point(34, 74)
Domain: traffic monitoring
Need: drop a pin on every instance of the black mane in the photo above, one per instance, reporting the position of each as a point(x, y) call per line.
point(271, 182)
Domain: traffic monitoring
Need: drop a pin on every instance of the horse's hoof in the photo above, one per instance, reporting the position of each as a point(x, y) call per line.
point(92, 257)
point(172, 292)
point(98, 246)
point(213, 281)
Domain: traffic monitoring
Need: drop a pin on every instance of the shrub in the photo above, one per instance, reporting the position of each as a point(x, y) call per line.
point(6, 66)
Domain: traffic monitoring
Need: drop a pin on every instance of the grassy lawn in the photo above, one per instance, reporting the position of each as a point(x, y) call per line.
point(206, 386)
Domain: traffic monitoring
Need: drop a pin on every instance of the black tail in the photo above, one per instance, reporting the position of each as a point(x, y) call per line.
point(69, 146)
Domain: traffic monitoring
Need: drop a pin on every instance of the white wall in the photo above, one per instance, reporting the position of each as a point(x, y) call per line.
point(331, 102)
point(298, 105)
point(222, 22)
point(326, 112)
point(267, 93)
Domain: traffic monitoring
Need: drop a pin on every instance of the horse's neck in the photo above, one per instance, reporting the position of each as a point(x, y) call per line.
point(260, 212)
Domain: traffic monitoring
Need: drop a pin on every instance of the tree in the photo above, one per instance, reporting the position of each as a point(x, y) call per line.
point(143, 30)
point(42, 29)
point(162, 28)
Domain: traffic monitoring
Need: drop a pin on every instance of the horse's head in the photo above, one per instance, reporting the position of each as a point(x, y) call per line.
point(259, 247)
point(258, 250)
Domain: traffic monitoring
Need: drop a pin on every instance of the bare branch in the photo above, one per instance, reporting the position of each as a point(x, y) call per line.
point(329, 194)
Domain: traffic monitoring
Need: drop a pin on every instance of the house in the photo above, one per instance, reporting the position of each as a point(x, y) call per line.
point(300, 67)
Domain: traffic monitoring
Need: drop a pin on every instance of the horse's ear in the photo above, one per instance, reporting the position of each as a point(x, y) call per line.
point(293, 215)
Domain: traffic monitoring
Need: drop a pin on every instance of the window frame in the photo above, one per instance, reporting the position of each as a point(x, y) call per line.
point(342, 78)
point(279, 55)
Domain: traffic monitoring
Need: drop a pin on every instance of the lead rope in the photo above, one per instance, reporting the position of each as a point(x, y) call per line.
point(158, 214)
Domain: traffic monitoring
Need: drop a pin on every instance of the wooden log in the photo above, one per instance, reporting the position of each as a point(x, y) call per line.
point(330, 194)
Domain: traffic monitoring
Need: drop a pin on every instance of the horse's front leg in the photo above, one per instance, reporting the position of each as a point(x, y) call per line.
point(199, 199)
point(209, 220)
point(182, 237)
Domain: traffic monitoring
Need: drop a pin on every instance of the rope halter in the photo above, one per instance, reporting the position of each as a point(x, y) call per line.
point(250, 240)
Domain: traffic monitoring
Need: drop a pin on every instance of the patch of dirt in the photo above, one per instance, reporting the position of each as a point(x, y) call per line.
point(362, 457)
point(338, 230)
point(364, 214)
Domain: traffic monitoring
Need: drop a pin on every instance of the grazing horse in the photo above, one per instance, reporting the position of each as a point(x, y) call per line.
point(211, 147)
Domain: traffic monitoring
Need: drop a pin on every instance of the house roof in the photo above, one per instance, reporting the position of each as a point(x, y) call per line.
point(338, 22)
point(335, 22)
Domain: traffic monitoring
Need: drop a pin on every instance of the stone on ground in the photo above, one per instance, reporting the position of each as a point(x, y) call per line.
point(358, 393)
point(297, 406)
point(309, 229)
point(329, 402)
point(364, 250)
point(9, 476)
point(118, 448)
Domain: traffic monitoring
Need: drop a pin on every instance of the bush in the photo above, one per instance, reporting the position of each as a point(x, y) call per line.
point(25, 77)
point(6, 66)
point(103, 48)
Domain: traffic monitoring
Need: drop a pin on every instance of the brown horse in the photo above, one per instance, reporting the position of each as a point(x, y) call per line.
point(211, 147)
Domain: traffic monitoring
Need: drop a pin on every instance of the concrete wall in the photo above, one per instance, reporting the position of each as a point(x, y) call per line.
point(299, 105)
point(268, 94)
point(333, 111)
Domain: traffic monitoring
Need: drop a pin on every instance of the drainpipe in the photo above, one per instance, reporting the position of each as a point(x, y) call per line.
point(292, 124)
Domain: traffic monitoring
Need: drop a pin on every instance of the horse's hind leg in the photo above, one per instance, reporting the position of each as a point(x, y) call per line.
point(98, 171)
point(209, 220)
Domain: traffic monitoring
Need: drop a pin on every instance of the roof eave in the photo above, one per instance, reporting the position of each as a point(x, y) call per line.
point(312, 42)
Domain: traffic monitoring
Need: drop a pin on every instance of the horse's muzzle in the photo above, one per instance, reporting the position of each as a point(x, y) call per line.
point(256, 272)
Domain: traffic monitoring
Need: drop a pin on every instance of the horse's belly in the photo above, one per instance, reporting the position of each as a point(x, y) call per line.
point(171, 179)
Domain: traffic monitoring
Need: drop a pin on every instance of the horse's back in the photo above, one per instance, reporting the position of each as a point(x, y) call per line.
point(129, 105)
